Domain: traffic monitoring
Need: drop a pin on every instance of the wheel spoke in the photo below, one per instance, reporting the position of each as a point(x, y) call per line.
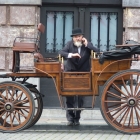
point(13, 92)
point(113, 101)
point(115, 105)
point(138, 94)
point(121, 110)
point(21, 114)
point(2, 113)
point(137, 116)
point(130, 117)
point(125, 117)
point(21, 102)
point(22, 107)
point(11, 122)
point(2, 109)
point(4, 123)
point(119, 89)
point(131, 84)
point(136, 89)
point(124, 85)
point(21, 96)
point(1, 102)
point(117, 112)
point(114, 95)
point(25, 110)
point(2, 97)
point(17, 118)
point(120, 107)
point(13, 116)
point(6, 93)
point(18, 96)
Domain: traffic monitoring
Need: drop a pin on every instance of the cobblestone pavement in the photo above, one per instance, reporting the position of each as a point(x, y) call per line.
point(68, 135)
point(93, 127)
point(53, 129)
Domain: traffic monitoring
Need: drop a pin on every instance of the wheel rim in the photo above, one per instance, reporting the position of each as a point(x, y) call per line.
point(121, 101)
point(38, 106)
point(16, 107)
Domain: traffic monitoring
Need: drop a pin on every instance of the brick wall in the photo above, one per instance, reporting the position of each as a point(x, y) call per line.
point(16, 20)
point(131, 24)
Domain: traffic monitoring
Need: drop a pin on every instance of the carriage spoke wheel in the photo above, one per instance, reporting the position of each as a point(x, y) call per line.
point(16, 107)
point(120, 101)
point(38, 102)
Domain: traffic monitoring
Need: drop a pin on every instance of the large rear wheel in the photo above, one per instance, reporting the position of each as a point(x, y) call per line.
point(120, 101)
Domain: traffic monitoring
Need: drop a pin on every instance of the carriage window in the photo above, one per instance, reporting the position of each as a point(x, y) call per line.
point(58, 29)
point(104, 30)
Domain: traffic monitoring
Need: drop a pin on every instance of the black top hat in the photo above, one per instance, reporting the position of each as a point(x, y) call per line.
point(76, 31)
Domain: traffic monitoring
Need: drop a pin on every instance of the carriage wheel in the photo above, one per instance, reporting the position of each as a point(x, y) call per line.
point(16, 107)
point(120, 101)
point(38, 106)
point(38, 103)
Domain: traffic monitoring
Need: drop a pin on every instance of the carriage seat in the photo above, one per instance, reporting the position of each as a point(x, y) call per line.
point(24, 44)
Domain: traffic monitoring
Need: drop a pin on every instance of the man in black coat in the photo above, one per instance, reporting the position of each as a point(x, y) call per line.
point(77, 51)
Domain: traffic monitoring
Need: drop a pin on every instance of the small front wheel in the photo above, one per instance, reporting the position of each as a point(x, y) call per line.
point(16, 107)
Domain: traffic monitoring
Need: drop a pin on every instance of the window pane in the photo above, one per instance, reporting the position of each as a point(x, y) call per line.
point(94, 29)
point(59, 30)
point(113, 30)
point(59, 26)
point(103, 32)
point(68, 26)
point(50, 31)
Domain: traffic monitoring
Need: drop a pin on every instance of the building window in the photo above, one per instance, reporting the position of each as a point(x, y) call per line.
point(58, 29)
point(104, 30)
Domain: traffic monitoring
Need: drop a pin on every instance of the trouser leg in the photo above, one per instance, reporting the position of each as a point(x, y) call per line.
point(70, 104)
point(79, 104)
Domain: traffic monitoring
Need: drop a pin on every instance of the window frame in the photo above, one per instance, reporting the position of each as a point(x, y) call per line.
point(119, 23)
point(43, 20)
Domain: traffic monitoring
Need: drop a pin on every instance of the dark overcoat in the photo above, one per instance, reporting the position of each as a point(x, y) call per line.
point(77, 64)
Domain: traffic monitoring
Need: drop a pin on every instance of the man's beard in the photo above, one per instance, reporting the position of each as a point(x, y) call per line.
point(78, 43)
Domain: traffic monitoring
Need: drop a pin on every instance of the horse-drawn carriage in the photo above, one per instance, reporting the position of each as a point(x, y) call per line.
point(21, 103)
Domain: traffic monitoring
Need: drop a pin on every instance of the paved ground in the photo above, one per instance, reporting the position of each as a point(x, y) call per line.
point(56, 129)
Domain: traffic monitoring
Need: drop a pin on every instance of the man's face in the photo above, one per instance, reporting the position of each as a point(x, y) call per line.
point(77, 40)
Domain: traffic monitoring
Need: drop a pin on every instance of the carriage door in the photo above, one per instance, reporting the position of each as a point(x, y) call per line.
point(101, 26)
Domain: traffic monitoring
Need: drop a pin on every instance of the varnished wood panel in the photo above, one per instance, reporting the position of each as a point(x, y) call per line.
point(76, 81)
point(49, 67)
